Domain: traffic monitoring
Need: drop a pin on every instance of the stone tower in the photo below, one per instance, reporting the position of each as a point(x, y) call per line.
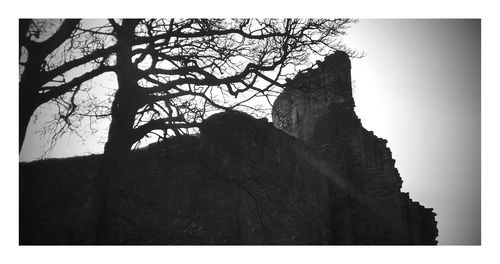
point(368, 207)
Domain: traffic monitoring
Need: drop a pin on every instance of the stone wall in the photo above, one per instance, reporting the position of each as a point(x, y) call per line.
point(321, 178)
point(241, 182)
point(317, 107)
point(54, 200)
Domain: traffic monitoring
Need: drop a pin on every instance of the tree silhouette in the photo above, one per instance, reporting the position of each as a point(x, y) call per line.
point(172, 72)
point(176, 70)
point(48, 51)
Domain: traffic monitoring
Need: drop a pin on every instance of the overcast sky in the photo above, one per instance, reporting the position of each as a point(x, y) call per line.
point(419, 88)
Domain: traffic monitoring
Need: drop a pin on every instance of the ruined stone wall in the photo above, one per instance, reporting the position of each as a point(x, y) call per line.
point(308, 96)
point(321, 178)
point(54, 200)
point(160, 205)
point(241, 182)
point(282, 196)
point(323, 117)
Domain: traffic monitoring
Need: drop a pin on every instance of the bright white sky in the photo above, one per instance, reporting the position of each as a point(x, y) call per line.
point(419, 88)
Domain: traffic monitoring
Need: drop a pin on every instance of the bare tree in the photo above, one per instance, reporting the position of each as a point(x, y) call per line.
point(49, 50)
point(172, 72)
point(178, 70)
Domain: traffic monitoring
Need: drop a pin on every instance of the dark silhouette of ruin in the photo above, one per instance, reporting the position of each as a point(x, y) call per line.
point(313, 176)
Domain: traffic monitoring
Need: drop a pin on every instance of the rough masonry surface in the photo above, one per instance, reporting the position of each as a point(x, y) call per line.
point(313, 176)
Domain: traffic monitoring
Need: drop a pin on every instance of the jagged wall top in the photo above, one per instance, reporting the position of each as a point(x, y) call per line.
point(309, 95)
point(338, 62)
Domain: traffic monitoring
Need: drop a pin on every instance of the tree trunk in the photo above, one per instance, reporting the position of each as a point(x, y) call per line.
point(29, 99)
point(108, 181)
point(110, 177)
point(26, 110)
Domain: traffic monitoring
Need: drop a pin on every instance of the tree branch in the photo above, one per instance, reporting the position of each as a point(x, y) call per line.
point(56, 91)
point(48, 76)
point(61, 35)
